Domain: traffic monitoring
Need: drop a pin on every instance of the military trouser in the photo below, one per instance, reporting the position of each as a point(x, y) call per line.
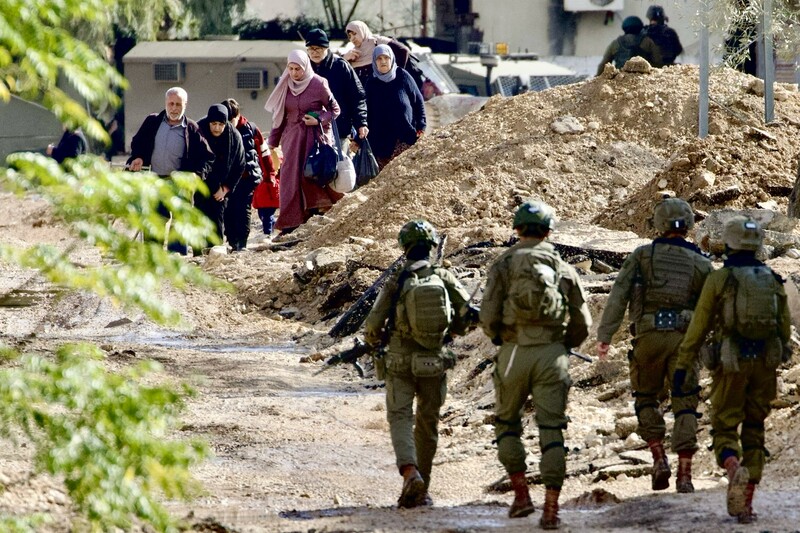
point(652, 366)
point(542, 372)
point(414, 438)
point(743, 398)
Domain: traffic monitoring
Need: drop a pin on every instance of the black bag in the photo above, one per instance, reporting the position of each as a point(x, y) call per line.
point(321, 162)
point(365, 163)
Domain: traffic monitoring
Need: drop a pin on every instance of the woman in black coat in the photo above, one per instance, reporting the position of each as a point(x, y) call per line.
point(226, 143)
point(395, 107)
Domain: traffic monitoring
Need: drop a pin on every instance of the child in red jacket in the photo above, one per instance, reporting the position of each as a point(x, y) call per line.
point(266, 198)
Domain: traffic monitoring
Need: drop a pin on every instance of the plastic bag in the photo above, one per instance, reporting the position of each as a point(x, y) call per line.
point(365, 164)
point(345, 180)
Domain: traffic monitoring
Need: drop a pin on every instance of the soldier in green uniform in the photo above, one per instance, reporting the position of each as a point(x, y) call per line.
point(416, 310)
point(535, 309)
point(745, 305)
point(660, 283)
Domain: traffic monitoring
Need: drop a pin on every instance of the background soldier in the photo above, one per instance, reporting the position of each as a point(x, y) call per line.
point(661, 283)
point(529, 293)
point(417, 308)
point(665, 37)
point(745, 304)
point(633, 42)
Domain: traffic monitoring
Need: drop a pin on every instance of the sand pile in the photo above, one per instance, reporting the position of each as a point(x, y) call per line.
point(599, 151)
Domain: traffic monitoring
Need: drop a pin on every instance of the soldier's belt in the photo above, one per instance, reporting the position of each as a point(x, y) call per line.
point(664, 319)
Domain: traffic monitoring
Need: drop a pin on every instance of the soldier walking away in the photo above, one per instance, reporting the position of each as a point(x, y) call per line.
point(416, 310)
point(660, 283)
point(669, 45)
point(632, 43)
point(534, 308)
point(744, 304)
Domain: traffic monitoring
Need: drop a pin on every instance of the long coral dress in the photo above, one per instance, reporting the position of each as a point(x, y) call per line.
point(298, 196)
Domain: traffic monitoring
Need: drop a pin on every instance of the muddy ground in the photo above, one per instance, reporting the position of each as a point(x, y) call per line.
point(295, 451)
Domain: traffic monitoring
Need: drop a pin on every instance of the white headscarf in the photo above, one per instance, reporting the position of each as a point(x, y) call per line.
point(277, 100)
point(383, 50)
point(368, 42)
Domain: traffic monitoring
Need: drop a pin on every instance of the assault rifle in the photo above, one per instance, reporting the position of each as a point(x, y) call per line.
point(355, 316)
point(350, 356)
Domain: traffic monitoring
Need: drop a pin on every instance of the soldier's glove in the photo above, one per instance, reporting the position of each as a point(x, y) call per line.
point(678, 380)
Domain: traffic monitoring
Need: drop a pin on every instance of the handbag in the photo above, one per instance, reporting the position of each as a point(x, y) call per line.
point(320, 167)
point(345, 180)
point(365, 163)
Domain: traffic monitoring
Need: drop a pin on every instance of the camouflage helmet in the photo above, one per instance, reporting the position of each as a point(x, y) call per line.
point(673, 214)
point(743, 233)
point(536, 213)
point(415, 232)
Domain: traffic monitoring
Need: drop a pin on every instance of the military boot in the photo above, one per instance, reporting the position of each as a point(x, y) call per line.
point(661, 473)
point(738, 476)
point(549, 519)
point(748, 516)
point(413, 487)
point(522, 505)
point(683, 483)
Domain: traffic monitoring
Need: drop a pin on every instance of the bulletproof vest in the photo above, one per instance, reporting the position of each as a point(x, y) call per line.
point(629, 46)
point(667, 41)
point(750, 307)
point(534, 295)
point(424, 311)
point(668, 274)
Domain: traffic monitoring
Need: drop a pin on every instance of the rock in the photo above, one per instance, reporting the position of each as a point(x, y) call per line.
point(637, 457)
point(624, 427)
point(705, 179)
point(680, 163)
point(593, 125)
point(637, 65)
point(566, 124)
point(780, 185)
point(289, 312)
point(662, 183)
point(323, 260)
point(792, 253)
point(664, 133)
point(568, 166)
point(620, 180)
point(721, 196)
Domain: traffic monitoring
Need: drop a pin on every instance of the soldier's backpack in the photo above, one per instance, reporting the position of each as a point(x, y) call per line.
point(751, 302)
point(426, 304)
point(629, 46)
point(534, 292)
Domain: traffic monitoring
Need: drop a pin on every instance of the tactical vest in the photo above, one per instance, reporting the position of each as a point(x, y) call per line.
point(534, 295)
point(667, 41)
point(668, 274)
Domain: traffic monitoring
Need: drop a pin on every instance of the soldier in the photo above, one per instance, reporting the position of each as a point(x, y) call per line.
point(745, 304)
point(530, 292)
point(417, 308)
point(633, 42)
point(660, 282)
point(666, 38)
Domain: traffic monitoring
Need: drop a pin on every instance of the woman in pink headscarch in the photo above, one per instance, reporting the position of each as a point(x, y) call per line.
point(364, 43)
point(300, 102)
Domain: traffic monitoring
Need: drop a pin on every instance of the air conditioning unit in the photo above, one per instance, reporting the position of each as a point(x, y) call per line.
point(594, 5)
point(171, 72)
point(251, 80)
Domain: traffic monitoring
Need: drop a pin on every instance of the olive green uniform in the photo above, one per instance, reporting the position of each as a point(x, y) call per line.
point(741, 397)
point(414, 441)
point(660, 279)
point(533, 360)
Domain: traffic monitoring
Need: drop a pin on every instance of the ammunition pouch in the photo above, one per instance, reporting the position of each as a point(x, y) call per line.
point(379, 361)
point(428, 364)
point(709, 355)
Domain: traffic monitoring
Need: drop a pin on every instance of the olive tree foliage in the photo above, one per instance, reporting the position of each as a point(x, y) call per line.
point(740, 20)
point(105, 434)
point(215, 17)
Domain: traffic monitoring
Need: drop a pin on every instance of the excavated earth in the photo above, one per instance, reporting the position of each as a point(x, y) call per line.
point(297, 451)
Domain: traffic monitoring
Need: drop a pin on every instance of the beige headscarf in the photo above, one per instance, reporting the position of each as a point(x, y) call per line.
point(368, 42)
point(277, 100)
